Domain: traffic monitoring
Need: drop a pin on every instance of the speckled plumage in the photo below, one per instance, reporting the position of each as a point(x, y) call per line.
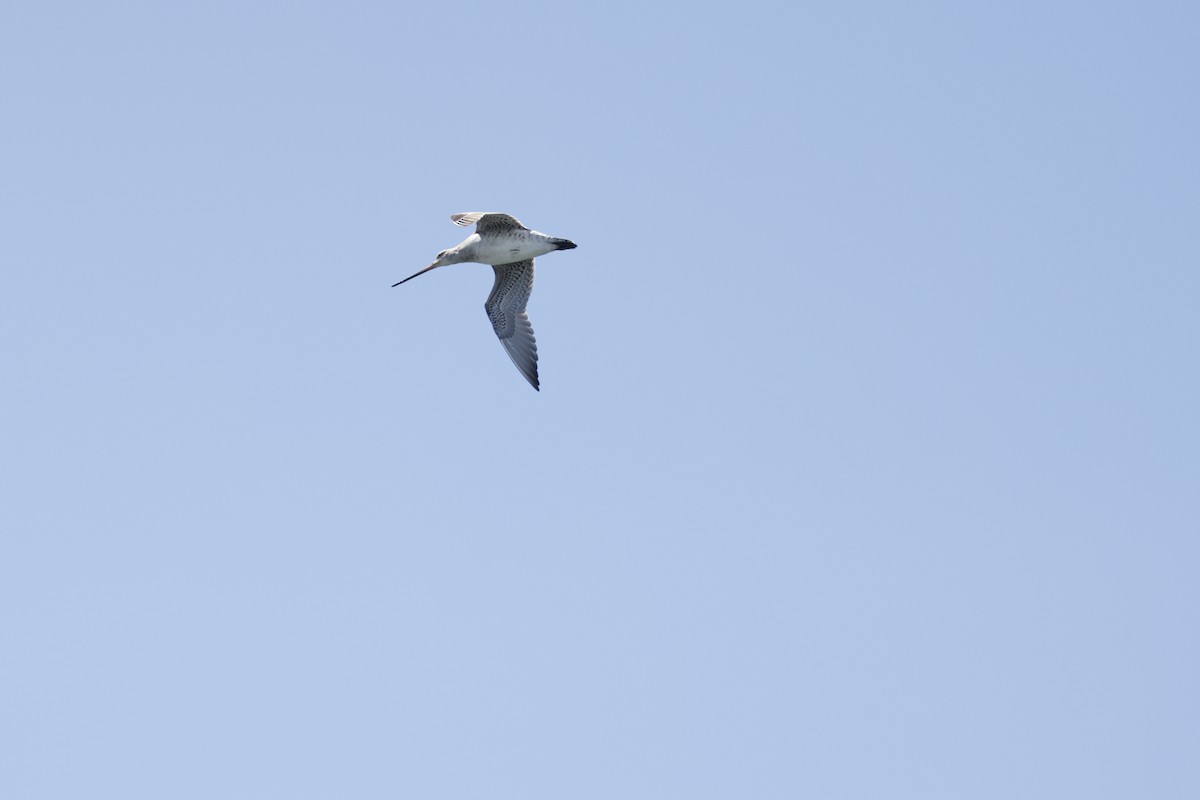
point(506, 309)
point(509, 247)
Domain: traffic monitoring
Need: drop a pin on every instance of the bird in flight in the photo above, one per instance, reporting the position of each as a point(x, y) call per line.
point(502, 241)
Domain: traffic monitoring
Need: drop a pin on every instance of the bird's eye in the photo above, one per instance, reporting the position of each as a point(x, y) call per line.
point(441, 254)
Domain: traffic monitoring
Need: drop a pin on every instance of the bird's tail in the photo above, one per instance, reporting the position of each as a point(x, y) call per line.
point(564, 244)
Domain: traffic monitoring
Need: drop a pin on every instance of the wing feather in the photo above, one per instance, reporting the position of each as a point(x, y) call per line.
point(488, 222)
point(506, 309)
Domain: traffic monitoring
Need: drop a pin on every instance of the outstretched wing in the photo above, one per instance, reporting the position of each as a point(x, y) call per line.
point(506, 309)
point(489, 222)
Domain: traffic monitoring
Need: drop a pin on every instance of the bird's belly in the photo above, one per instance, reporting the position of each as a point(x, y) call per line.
point(507, 249)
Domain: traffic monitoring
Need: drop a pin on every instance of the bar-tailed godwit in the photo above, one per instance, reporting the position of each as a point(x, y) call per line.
point(510, 247)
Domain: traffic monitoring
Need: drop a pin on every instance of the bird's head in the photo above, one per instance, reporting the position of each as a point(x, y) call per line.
point(445, 257)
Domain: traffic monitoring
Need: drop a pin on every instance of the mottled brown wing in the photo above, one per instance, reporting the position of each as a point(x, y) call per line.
point(506, 309)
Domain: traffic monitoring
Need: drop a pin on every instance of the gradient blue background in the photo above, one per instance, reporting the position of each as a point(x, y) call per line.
point(866, 465)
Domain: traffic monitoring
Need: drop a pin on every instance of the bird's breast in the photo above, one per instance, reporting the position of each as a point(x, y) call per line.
point(507, 248)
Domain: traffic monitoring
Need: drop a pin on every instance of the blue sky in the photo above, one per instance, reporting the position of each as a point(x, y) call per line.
point(865, 463)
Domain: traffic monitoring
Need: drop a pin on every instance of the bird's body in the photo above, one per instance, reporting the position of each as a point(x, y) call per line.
point(509, 247)
point(506, 248)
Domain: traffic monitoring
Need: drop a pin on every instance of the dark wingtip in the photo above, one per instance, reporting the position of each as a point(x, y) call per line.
point(565, 244)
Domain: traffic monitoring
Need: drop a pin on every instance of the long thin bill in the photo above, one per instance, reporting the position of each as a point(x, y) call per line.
point(415, 274)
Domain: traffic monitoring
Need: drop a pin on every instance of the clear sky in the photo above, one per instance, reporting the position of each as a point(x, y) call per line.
point(866, 462)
